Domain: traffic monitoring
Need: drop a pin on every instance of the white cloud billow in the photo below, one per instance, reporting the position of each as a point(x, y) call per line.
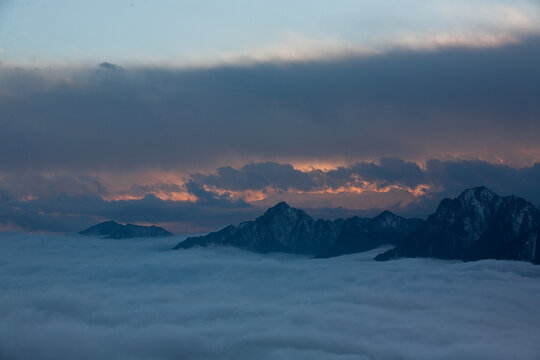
point(438, 25)
point(69, 297)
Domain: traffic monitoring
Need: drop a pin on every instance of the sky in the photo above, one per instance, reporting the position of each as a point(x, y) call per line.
point(196, 115)
point(138, 299)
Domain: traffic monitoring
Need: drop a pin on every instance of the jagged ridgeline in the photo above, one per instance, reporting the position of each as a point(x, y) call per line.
point(285, 229)
point(114, 230)
point(478, 224)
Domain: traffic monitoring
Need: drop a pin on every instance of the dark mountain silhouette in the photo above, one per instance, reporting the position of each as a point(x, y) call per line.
point(281, 229)
point(478, 224)
point(286, 229)
point(114, 230)
point(362, 234)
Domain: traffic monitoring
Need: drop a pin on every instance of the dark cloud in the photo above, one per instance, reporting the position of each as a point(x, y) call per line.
point(257, 176)
point(442, 178)
point(447, 177)
point(31, 184)
point(64, 203)
point(389, 171)
point(456, 175)
point(472, 103)
point(210, 198)
point(62, 295)
point(141, 190)
point(60, 124)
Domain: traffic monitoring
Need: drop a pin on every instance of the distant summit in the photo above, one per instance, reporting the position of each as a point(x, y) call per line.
point(283, 228)
point(114, 230)
point(478, 224)
point(280, 229)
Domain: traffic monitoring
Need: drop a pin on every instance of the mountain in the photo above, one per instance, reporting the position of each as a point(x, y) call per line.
point(285, 229)
point(281, 229)
point(478, 224)
point(114, 230)
point(361, 234)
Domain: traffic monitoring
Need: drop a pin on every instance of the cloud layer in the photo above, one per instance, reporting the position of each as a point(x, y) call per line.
point(63, 295)
point(204, 202)
point(415, 105)
point(196, 149)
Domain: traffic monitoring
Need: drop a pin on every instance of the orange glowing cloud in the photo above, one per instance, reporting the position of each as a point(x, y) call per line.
point(169, 186)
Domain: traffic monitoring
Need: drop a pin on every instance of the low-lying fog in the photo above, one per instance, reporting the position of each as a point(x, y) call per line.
point(67, 297)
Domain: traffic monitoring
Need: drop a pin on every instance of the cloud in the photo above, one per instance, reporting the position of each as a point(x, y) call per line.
point(441, 25)
point(30, 185)
point(444, 178)
point(197, 149)
point(479, 103)
point(387, 171)
point(257, 176)
point(65, 202)
point(291, 47)
point(62, 295)
point(456, 175)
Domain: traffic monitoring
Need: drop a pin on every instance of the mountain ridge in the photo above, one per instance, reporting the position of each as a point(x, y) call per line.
point(478, 224)
point(283, 228)
point(114, 230)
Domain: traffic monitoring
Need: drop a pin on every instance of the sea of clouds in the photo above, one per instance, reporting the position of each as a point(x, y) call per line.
point(69, 297)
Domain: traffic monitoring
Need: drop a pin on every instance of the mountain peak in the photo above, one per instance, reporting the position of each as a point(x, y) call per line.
point(478, 224)
point(386, 218)
point(385, 214)
point(282, 212)
point(109, 222)
point(281, 205)
point(281, 228)
point(479, 192)
point(279, 208)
